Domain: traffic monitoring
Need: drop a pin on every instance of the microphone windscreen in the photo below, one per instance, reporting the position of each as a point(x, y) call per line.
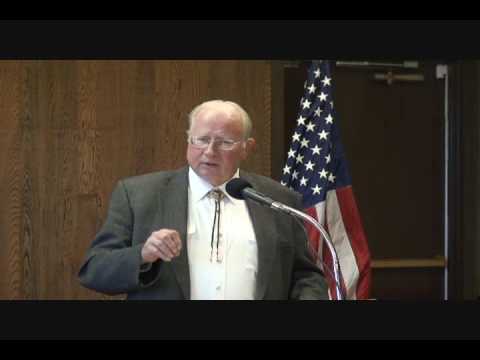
point(235, 187)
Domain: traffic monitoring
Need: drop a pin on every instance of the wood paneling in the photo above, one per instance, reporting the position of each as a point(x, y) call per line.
point(70, 129)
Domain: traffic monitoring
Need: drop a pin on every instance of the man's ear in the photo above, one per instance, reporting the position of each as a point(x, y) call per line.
point(248, 148)
point(250, 145)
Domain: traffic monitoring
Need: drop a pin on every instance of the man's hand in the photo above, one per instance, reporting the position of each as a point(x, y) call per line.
point(164, 244)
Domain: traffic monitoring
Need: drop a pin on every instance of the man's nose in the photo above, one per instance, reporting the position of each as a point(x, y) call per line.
point(211, 147)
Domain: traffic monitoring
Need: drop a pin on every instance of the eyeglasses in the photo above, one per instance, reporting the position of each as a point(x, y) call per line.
point(202, 142)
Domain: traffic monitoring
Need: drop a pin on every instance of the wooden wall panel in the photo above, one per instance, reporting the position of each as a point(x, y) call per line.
point(71, 129)
point(11, 177)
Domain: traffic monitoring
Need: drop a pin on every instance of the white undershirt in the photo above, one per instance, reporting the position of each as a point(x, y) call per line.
point(234, 277)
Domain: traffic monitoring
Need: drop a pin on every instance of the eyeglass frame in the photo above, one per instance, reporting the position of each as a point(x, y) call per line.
point(218, 143)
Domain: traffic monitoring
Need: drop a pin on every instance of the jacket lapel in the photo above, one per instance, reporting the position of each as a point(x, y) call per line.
point(262, 220)
point(173, 214)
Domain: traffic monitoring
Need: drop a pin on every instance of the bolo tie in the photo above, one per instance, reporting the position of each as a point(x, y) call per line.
point(217, 195)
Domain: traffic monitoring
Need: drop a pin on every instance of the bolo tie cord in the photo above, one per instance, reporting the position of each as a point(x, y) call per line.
point(216, 221)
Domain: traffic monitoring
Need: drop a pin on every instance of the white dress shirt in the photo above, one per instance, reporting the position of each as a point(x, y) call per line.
point(233, 276)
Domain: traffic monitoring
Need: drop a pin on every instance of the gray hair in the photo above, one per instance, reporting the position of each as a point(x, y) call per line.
point(247, 123)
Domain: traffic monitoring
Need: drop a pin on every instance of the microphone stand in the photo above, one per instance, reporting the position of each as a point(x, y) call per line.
point(299, 214)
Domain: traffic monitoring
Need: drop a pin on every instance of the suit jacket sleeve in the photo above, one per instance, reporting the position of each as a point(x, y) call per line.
point(113, 264)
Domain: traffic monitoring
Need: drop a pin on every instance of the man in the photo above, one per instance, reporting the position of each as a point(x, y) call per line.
point(169, 236)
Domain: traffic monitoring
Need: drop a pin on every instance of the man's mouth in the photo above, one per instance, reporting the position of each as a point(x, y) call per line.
point(209, 164)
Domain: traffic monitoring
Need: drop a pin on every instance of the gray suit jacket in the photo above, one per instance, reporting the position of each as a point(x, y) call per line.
point(142, 204)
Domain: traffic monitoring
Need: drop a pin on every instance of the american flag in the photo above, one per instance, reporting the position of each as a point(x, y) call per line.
point(316, 167)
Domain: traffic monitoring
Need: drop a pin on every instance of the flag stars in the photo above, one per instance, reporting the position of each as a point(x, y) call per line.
point(316, 150)
point(310, 126)
point(306, 104)
point(326, 81)
point(331, 178)
point(323, 174)
point(310, 165)
point(322, 96)
point(304, 143)
point(316, 189)
point(318, 112)
point(301, 120)
point(305, 171)
point(323, 135)
point(303, 181)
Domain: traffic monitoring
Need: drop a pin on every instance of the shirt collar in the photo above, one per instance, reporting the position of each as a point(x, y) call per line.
point(199, 187)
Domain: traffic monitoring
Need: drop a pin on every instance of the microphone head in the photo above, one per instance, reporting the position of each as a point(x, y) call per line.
point(235, 188)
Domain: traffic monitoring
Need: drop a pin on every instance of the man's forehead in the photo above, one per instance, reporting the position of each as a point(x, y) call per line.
point(217, 111)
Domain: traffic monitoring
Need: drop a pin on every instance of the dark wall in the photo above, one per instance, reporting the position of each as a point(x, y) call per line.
point(464, 171)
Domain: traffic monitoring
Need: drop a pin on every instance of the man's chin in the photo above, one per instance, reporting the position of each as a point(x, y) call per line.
point(210, 175)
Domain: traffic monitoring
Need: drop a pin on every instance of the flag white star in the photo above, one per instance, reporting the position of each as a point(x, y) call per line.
point(317, 73)
point(327, 158)
point(326, 81)
point(316, 189)
point(296, 137)
point(331, 178)
point(329, 119)
point(310, 126)
point(299, 159)
point(304, 143)
point(316, 150)
point(322, 96)
point(301, 120)
point(303, 181)
point(323, 135)
point(306, 104)
point(286, 169)
point(318, 112)
point(323, 174)
point(311, 89)
point(310, 165)
point(291, 153)
point(295, 174)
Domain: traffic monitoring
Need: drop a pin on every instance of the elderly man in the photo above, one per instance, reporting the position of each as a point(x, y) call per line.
point(179, 235)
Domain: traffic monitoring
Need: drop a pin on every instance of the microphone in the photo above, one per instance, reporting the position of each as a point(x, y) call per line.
point(241, 189)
